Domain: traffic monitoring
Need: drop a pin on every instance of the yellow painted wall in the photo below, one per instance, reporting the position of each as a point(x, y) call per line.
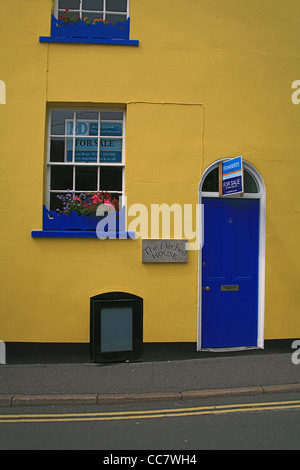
point(209, 80)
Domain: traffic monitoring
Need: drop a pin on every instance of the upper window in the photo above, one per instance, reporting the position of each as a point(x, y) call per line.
point(113, 11)
point(85, 153)
point(91, 22)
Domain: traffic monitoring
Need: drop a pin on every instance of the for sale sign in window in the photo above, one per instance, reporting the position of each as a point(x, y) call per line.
point(231, 177)
point(88, 148)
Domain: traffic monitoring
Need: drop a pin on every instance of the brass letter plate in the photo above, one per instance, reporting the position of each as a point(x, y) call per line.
point(229, 288)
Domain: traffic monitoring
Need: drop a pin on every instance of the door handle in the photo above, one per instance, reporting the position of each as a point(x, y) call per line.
point(207, 288)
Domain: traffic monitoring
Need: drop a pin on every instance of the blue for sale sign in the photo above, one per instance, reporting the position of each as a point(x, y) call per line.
point(232, 176)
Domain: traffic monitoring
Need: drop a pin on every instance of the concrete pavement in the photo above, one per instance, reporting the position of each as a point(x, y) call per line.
point(252, 373)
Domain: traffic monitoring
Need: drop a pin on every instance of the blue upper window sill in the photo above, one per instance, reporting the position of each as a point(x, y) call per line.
point(82, 33)
point(81, 234)
point(117, 42)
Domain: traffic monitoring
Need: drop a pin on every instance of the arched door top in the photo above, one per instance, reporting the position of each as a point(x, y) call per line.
point(253, 181)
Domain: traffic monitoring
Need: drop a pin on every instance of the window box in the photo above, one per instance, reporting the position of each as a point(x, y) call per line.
point(76, 226)
point(99, 33)
point(82, 30)
point(74, 221)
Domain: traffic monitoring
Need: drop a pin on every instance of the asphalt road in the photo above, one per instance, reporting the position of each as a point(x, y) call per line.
point(263, 422)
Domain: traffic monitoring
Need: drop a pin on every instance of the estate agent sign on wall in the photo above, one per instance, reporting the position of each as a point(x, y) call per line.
point(164, 251)
point(231, 177)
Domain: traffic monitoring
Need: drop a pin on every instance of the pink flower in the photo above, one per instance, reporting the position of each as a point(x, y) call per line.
point(76, 199)
point(96, 199)
point(108, 203)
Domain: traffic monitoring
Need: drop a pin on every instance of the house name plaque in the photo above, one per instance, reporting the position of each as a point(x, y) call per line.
point(164, 251)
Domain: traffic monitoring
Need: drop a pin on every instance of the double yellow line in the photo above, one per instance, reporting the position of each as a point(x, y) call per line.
point(150, 414)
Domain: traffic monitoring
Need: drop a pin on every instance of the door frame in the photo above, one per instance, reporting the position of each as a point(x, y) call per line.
point(261, 196)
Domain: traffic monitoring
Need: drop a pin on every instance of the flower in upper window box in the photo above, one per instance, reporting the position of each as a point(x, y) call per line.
point(75, 17)
point(69, 17)
point(97, 20)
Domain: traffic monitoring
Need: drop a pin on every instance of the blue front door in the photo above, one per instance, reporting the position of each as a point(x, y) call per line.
point(230, 272)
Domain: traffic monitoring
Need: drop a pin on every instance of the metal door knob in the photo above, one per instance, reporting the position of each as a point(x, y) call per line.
point(207, 289)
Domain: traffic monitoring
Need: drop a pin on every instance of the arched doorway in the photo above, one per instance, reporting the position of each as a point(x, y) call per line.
point(232, 264)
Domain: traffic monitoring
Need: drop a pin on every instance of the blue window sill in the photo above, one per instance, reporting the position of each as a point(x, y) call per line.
point(80, 234)
point(117, 42)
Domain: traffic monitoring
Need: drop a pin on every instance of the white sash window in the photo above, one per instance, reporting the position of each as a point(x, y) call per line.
point(85, 153)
